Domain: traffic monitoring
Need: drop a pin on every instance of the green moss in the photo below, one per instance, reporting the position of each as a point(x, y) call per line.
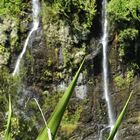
point(125, 81)
point(47, 73)
point(4, 55)
point(68, 128)
point(78, 15)
point(51, 100)
point(49, 63)
point(2, 49)
point(66, 55)
point(72, 118)
point(15, 126)
point(58, 75)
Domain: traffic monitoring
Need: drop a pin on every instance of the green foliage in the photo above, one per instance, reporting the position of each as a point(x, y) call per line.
point(124, 81)
point(129, 34)
point(79, 13)
point(10, 7)
point(2, 49)
point(51, 99)
point(57, 115)
point(68, 128)
point(15, 126)
point(82, 8)
point(8, 129)
point(125, 37)
point(119, 80)
point(119, 120)
point(5, 81)
point(124, 10)
point(124, 17)
point(4, 55)
point(130, 76)
point(72, 118)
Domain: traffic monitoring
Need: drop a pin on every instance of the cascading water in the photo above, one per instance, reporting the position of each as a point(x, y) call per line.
point(104, 42)
point(21, 100)
point(35, 12)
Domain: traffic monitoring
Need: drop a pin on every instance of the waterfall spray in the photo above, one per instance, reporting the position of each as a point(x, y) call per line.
point(104, 41)
point(35, 12)
point(105, 67)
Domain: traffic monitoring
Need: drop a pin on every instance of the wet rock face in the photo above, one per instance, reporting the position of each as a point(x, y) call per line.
point(125, 77)
point(54, 53)
point(60, 50)
point(52, 59)
point(97, 21)
point(8, 38)
point(122, 86)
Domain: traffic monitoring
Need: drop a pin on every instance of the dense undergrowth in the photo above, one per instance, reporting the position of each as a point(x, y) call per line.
point(124, 17)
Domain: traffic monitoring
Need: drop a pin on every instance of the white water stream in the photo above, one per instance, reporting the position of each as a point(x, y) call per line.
point(111, 119)
point(35, 13)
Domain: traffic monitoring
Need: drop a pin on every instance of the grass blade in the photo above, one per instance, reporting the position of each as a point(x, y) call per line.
point(48, 130)
point(57, 115)
point(119, 120)
point(8, 129)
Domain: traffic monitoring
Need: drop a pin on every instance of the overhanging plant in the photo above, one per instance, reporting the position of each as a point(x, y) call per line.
point(58, 113)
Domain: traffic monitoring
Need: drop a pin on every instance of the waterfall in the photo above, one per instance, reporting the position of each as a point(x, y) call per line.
point(35, 13)
point(105, 66)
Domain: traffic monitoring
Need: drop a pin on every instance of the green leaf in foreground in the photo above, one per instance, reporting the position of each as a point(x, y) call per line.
point(8, 129)
point(119, 120)
point(57, 115)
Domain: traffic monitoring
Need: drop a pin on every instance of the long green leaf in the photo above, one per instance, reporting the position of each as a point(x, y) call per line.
point(119, 120)
point(57, 115)
point(8, 129)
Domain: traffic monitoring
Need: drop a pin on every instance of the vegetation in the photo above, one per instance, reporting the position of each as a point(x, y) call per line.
point(124, 15)
point(8, 129)
point(124, 10)
point(57, 115)
point(66, 35)
point(80, 12)
point(10, 7)
point(119, 120)
point(124, 81)
point(125, 35)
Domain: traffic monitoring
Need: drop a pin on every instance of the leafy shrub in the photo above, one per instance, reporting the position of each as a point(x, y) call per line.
point(125, 38)
point(10, 7)
point(124, 81)
point(78, 13)
point(124, 10)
